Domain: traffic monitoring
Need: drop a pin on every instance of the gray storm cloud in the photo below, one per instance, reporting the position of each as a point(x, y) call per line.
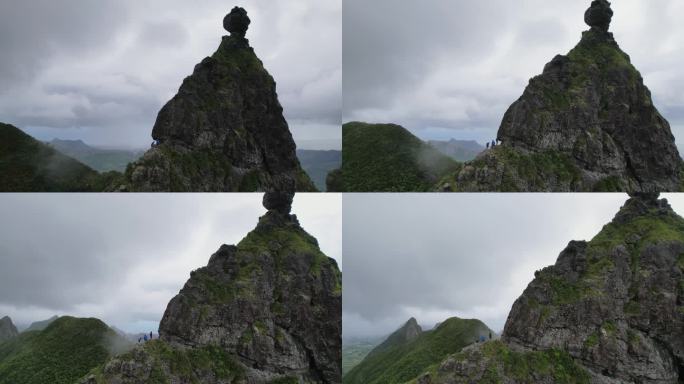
point(448, 69)
point(469, 255)
point(100, 71)
point(121, 258)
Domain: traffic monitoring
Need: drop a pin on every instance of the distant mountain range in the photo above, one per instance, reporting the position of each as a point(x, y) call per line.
point(100, 159)
point(410, 350)
point(459, 150)
point(60, 353)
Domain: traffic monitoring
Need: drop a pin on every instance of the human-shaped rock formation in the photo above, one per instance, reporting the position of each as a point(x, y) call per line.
point(237, 22)
point(224, 130)
point(599, 15)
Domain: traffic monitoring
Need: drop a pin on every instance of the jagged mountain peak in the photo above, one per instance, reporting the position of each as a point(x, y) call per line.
point(224, 130)
point(586, 123)
point(265, 310)
point(7, 329)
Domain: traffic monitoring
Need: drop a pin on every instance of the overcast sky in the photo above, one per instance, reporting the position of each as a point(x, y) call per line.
point(433, 256)
point(101, 70)
point(448, 69)
point(121, 258)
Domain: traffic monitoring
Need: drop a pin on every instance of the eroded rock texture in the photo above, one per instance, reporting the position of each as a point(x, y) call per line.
point(610, 310)
point(224, 130)
point(268, 310)
point(586, 123)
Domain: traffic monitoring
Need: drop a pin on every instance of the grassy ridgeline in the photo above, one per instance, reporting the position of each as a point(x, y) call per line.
point(399, 361)
point(60, 354)
point(388, 158)
point(27, 165)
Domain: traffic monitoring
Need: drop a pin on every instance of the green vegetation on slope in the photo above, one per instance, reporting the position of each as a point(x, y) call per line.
point(518, 170)
point(184, 364)
point(387, 157)
point(353, 352)
point(65, 351)
point(27, 165)
point(634, 234)
point(402, 362)
point(522, 367)
point(41, 325)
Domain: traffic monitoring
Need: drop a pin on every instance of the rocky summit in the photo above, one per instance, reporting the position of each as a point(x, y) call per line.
point(7, 329)
point(610, 310)
point(268, 310)
point(224, 130)
point(587, 123)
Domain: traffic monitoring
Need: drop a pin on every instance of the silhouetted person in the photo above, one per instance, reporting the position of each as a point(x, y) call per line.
point(151, 335)
point(493, 143)
point(488, 145)
point(145, 337)
point(490, 335)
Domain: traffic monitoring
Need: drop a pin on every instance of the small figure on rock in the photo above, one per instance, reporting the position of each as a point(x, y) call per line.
point(599, 15)
point(488, 145)
point(237, 22)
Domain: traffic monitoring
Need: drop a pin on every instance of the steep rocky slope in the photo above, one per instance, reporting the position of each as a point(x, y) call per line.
point(7, 329)
point(409, 351)
point(610, 310)
point(265, 311)
point(586, 123)
point(61, 353)
point(224, 130)
point(27, 165)
point(387, 158)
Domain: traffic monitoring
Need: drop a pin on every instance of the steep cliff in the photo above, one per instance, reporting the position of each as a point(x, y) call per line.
point(265, 311)
point(224, 130)
point(610, 310)
point(586, 123)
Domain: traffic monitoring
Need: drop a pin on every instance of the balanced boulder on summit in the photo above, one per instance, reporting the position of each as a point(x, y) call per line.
point(224, 130)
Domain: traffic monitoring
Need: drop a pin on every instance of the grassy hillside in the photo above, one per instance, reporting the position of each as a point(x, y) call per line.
point(101, 160)
point(401, 362)
point(62, 353)
point(40, 325)
point(317, 164)
point(354, 351)
point(27, 165)
point(387, 157)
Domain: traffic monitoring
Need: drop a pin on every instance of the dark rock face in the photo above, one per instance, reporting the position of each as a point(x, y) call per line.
point(270, 305)
point(586, 123)
point(237, 22)
point(599, 15)
point(224, 130)
point(279, 201)
point(614, 306)
point(7, 329)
